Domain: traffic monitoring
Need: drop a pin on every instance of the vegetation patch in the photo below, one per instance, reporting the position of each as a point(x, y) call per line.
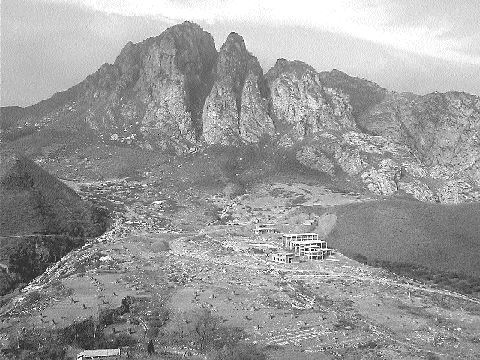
point(464, 284)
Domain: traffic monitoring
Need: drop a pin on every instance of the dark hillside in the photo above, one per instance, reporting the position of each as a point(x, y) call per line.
point(439, 237)
point(9, 115)
point(33, 201)
point(41, 219)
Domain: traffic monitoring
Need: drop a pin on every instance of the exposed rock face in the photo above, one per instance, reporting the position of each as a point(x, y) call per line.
point(382, 166)
point(153, 94)
point(442, 130)
point(301, 106)
point(363, 94)
point(314, 159)
point(255, 121)
point(172, 77)
point(236, 108)
point(384, 179)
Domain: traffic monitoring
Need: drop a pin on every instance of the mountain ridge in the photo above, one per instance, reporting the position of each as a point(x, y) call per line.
point(176, 93)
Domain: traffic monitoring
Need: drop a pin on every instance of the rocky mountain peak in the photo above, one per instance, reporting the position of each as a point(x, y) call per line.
point(236, 108)
point(234, 41)
point(363, 94)
point(301, 105)
point(155, 90)
point(296, 68)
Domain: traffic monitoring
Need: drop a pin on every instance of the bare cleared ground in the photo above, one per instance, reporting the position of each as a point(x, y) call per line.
point(166, 250)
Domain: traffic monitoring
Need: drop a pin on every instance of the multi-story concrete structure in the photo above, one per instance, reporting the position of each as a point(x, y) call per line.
point(306, 244)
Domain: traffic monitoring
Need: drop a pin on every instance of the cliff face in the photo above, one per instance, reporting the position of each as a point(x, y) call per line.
point(443, 129)
point(236, 108)
point(301, 106)
point(156, 88)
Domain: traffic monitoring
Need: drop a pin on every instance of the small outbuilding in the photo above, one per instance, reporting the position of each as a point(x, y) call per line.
point(262, 229)
point(286, 258)
point(107, 354)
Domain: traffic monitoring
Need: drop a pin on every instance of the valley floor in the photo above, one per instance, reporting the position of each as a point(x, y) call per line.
point(165, 249)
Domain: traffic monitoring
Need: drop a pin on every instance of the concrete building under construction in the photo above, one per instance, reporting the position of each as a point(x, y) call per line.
point(306, 244)
point(263, 229)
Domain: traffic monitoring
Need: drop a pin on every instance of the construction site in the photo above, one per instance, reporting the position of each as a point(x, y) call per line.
point(295, 247)
point(263, 273)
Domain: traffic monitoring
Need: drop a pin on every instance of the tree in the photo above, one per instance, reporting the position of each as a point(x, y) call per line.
point(150, 347)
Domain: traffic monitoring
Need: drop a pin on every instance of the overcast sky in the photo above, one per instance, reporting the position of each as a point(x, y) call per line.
point(404, 45)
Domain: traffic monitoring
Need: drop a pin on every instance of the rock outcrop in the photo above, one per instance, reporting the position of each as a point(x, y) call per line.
point(443, 129)
point(236, 108)
point(363, 94)
point(301, 106)
point(382, 166)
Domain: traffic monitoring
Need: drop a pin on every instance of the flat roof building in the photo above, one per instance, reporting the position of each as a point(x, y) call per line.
point(265, 229)
point(316, 253)
point(107, 354)
point(286, 258)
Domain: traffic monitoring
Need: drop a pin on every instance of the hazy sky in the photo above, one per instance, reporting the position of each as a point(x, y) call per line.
point(405, 45)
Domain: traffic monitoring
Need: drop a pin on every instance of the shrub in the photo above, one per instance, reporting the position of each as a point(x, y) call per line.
point(464, 284)
point(108, 316)
point(203, 331)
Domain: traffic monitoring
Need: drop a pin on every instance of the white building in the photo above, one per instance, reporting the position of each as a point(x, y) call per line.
point(107, 354)
point(265, 229)
point(307, 244)
point(286, 258)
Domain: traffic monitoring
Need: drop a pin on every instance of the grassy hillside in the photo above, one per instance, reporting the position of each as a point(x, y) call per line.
point(439, 237)
point(33, 201)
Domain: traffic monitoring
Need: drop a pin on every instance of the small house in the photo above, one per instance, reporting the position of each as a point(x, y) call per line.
point(103, 354)
point(262, 229)
point(286, 258)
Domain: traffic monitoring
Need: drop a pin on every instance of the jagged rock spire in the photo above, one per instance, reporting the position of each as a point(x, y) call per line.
point(236, 109)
